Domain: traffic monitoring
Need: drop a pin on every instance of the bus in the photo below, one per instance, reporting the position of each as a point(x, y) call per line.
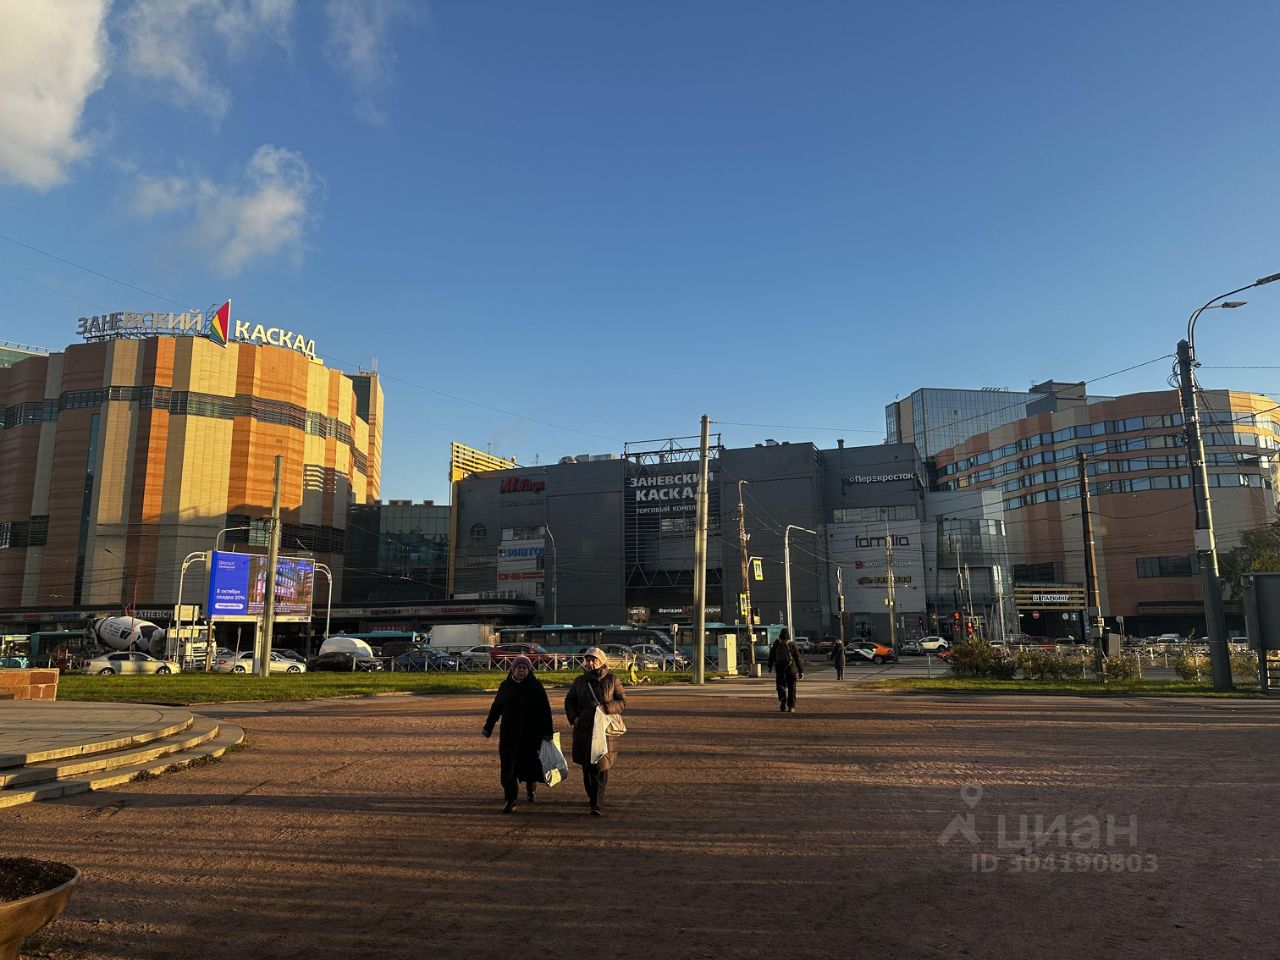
point(60, 648)
point(391, 643)
point(567, 638)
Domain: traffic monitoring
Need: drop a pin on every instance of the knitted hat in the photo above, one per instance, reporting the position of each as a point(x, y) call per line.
point(595, 652)
point(521, 661)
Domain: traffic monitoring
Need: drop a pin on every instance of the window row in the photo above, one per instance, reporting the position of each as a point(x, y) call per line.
point(1135, 485)
point(1167, 567)
point(19, 534)
point(1103, 427)
point(873, 514)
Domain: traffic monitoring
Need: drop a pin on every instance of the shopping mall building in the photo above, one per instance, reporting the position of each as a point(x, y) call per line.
point(1026, 448)
point(609, 539)
point(131, 451)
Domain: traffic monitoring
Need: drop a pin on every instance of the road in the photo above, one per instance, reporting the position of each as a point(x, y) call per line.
point(865, 825)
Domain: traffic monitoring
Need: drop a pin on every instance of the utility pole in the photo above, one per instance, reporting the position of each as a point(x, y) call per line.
point(840, 599)
point(1093, 598)
point(890, 597)
point(1206, 549)
point(700, 559)
point(746, 578)
point(273, 556)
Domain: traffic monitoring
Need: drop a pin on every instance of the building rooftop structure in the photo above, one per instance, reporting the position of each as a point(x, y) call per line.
point(935, 418)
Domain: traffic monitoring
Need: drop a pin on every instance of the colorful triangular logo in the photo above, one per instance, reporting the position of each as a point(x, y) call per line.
point(220, 325)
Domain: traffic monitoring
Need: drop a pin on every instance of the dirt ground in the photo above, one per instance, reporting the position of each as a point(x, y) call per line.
point(371, 829)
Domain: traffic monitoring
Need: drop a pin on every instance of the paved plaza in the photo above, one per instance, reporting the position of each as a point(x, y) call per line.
point(864, 825)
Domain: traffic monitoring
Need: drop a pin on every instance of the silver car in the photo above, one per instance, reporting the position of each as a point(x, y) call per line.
point(128, 662)
point(650, 656)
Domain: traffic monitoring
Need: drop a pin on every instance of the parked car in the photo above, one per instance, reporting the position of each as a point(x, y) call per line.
point(293, 655)
point(341, 661)
point(424, 659)
point(934, 644)
point(130, 662)
point(650, 656)
point(617, 656)
point(479, 656)
point(804, 645)
point(243, 663)
point(501, 655)
point(872, 651)
point(912, 647)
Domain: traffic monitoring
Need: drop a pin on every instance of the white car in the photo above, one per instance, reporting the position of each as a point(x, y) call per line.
point(244, 663)
point(934, 644)
point(130, 662)
point(476, 656)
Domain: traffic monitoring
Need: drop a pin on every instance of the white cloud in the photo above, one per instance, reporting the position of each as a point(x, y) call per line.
point(360, 46)
point(167, 41)
point(264, 216)
point(52, 58)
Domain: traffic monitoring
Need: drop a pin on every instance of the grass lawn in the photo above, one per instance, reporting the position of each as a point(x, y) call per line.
point(1071, 688)
point(187, 688)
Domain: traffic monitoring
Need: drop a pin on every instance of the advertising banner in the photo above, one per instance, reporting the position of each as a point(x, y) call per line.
point(862, 552)
point(238, 586)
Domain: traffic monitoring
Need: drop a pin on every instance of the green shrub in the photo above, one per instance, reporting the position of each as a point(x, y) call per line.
point(1123, 667)
point(978, 658)
point(1189, 663)
point(1037, 664)
point(1244, 665)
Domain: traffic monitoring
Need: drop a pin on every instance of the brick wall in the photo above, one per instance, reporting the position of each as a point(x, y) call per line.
point(28, 684)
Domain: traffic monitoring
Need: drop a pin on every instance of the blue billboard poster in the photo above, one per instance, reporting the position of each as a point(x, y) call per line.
point(229, 586)
point(238, 586)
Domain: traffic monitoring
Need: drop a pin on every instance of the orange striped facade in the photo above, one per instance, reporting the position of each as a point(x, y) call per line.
point(125, 456)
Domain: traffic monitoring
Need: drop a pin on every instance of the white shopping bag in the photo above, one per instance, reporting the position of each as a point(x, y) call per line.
point(554, 766)
point(599, 736)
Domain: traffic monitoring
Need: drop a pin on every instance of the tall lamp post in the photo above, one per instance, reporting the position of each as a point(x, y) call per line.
point(1206, 548)
point(786, 563)
point(555, 570)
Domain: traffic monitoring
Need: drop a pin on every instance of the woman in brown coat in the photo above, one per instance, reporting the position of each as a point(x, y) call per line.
point(597, 687)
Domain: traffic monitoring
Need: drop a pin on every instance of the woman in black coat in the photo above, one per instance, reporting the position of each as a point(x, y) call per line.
point(525, 712)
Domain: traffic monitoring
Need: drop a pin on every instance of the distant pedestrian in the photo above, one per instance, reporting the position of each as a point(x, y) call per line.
point(787, 667)
point(838, 658)
point(596, 689)
point(522, 706)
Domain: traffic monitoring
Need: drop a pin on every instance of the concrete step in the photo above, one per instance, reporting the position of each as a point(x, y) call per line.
point(226, 735)
point(201, 729)
point(170, 721)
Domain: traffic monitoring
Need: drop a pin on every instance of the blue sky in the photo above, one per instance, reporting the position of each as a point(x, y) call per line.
point(560, 226)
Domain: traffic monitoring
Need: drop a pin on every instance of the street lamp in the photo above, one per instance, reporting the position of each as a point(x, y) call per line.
point(217, 541)
point(124, 577)
point(786, 563)
point(555, 569)
point(1206, 549)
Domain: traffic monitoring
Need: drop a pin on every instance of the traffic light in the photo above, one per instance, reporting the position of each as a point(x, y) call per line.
point(968, 627)
point(956, 615)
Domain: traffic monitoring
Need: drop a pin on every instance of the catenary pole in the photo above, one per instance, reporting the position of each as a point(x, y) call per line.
point(745, 563)
point(273, 556)
point(1206, 548)
point(700, 559)
point(890, 596)
point(1093, 599)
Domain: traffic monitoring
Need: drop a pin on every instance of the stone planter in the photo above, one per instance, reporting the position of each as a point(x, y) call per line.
point(21, 918)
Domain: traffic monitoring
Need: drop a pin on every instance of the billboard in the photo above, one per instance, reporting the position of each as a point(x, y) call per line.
point(860, 550)
point(238, 586)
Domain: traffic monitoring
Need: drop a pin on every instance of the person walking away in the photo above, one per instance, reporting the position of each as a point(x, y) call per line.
point(522, 706)
point(838, 658)
point(786, 667)
point(596, 689)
